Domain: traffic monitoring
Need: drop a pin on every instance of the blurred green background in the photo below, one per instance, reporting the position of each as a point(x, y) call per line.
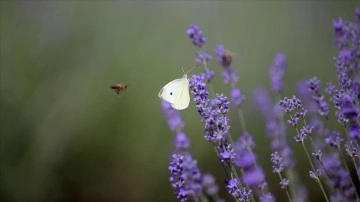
point(65, 136)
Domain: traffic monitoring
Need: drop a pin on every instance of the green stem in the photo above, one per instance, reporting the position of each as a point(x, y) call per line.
point(313, 168)
point(203, 197)
point(242, 119)
point(286, 189)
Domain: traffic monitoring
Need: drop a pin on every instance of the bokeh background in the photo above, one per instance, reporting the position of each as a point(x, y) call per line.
point(65, 136)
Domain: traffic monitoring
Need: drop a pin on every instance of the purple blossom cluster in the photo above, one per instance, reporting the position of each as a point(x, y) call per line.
point(196, 35)
point(253, 174)
point(176, 124)
point(185, 176)
point(210, 187)
point(213, 111)
point(233, 187)
point(314, 87)
point(177, 179)
point(332, 151)
point(277, 72)
point(347, 96)
point(277, 161)
point(338, 178)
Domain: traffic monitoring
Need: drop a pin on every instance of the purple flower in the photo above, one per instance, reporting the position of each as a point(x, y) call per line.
point(245, 194)
point(357, 13)
point(284, 183)
point(290, 104)
point(318, 155)
point(233, 187)
point(354, 132)
point(277, 71)
point(230, 75)
point(304, 132)
point(213, 111)
point(237, 97)
point(173, 117)
point(198, 89)
point(264, 104)
point(226, 153)
point(336, 98)
point(340, 117)
point(338, 177)
point(196, 35)
point(216, 122)
point(330, 88)
point(177, 179)
point(301, 113)
point(314, 87)
point(192, 176)
point(338, 25)
point(277, 161)
point(315, 174)
point(306, 96)
point(181, 141)
point(254, 177)
point(334, 139)
point(244, 159)
point(267, 198)
point(209, 185)
point(221, 104)
point(348, 108)
point(246, 140)
point(202, 57)
point(352, 148)
point(341, 35)
point(293, 121)
point(208, 74)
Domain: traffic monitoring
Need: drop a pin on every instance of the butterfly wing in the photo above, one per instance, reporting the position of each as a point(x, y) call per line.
point(169, 90)
point(182, 97)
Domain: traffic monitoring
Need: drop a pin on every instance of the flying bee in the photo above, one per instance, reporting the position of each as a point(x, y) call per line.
point(120, 87)
point(227, 58)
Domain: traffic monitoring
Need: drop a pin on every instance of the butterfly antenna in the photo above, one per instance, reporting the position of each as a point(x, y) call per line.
point(183, 70)
point(188, 71)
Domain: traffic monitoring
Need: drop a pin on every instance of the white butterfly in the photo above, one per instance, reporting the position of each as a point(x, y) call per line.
point(176, 93)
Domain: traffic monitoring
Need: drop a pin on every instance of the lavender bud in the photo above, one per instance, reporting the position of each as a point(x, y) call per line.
point(195, 34)
point(237, 97)
point(284, 183)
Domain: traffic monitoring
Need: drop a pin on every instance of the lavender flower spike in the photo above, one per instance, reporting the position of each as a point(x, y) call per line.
point(277, 161)
point(202, 57)
point(277, 71)
point(173, 117)
point(185, 176)
point(237, 97)
point(196, 35)
point(233, 187)
point(177, 179)
point(314, 87)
